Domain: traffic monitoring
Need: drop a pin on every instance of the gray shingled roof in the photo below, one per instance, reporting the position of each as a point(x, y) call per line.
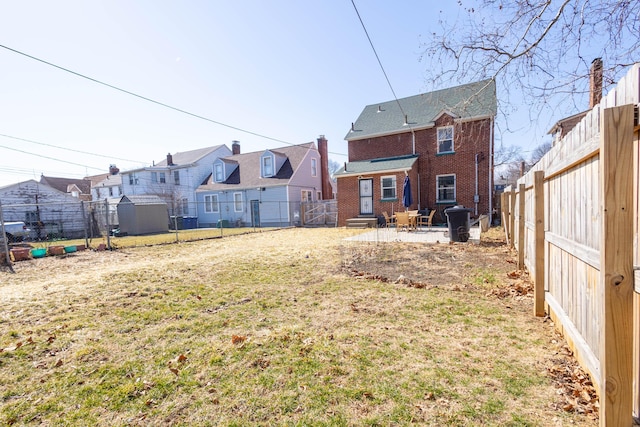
point(466, 101)
point(389, 164)
point(188, 157)
point(249, 167)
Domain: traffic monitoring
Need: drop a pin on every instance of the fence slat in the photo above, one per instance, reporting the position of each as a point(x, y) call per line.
point(616, 260)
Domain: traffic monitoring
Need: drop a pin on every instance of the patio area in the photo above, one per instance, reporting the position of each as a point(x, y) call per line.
point(424, 235)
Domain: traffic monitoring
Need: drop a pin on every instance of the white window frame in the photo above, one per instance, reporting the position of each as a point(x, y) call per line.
point(162, 178)
point(133, 179)
point(176, 177)
point(393, 187)
point(211, 203)
point(306, 196)
point(267, 166)
point(218, 172)
point(185, 206)
point(438, 188)
point(314, 167)
point(154, 177)
point(238, 203)
point(444, 137)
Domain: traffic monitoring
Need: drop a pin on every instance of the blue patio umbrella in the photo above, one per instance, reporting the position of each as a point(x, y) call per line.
point(407, 199)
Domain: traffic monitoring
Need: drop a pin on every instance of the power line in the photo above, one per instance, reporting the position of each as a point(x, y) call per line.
point(180, 110)
point(71, 149)
point(50, 158)
point(379, 61)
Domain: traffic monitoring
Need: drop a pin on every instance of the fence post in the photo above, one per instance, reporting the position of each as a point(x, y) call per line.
point(106, 210)
point(512, 217)
point(6, 242)
point(616, 266)
point(521, 191)
point(84, 224)
point(539, 261)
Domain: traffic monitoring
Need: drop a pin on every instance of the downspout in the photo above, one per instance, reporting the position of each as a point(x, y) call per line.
point(476, 197)
point(491, 174)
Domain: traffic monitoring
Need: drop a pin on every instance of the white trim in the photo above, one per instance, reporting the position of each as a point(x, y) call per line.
point(395, 187)
point(455, 185)
point(438, 140)
point(235, 207)
point(386, 171)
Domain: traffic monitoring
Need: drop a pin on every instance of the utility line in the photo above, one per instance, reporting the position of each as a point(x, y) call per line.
point(71, 149)
point(50, 158)
point(379, 61)
point(149, 99)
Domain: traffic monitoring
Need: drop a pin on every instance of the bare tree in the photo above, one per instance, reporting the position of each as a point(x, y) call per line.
point(538, 50)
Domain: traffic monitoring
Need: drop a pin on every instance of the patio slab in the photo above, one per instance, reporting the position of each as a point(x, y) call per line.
point(422, 235)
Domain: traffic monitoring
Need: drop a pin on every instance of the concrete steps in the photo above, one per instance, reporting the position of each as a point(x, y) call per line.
point(364, 222)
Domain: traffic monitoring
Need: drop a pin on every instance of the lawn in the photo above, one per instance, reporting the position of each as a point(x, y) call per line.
point(288, 327)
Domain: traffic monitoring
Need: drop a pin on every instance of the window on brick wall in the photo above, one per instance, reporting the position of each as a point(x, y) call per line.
point(445, 139)
point(388, 187)
point(446, 188)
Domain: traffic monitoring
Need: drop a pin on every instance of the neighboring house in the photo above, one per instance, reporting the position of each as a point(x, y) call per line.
point(106, 185)
point(78, 188)
point(563, 126)
point(442, 140)
point(175, 178)
point(264, 188)
point(47, 211)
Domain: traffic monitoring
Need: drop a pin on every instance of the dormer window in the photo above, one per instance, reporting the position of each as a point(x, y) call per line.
point(445, 139)
point(267, 166)
point(218, 172)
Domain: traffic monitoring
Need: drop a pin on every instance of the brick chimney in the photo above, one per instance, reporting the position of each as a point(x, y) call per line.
point(327, 190)
point(169, 159)
point(113, 170)
point(595, 82)
point(235, 147)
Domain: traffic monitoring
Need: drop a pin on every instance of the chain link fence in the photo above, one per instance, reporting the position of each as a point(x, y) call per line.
point(134, 220)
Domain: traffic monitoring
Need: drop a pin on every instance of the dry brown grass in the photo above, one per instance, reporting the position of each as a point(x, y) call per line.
point(291, 327)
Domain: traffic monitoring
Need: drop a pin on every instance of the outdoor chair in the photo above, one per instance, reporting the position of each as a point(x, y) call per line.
point(402, 221)
point(427, 220)
point(389, 220)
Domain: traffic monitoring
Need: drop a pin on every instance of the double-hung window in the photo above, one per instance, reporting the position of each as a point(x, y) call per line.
point(445, 139)
point(133, 179)
point(388, 187)
point(163, 179)
point(307, 196)
point(176, 177)
point(267, 166)
point(314, 167)
point(218, 172)
point(211, 203)
point(446, 188)
point(237, 202)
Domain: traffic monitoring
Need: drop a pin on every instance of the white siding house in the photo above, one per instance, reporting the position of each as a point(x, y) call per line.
point(263, 188)
point(175, 178)
point(48, 212)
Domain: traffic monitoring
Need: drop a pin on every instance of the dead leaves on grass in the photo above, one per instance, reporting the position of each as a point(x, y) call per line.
point(176, 364)
point(401, 280)
point(575, 387)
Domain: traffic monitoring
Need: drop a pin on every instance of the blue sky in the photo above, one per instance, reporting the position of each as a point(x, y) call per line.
point(288, 70)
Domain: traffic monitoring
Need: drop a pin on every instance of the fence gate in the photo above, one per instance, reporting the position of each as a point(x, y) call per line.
point(323, 212)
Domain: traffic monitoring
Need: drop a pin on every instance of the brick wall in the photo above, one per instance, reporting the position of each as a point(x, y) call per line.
point(470, 138)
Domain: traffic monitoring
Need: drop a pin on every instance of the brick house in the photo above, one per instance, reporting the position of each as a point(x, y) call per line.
point(441, 140)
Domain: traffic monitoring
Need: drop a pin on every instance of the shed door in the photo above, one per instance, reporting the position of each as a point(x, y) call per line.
point(366, 196)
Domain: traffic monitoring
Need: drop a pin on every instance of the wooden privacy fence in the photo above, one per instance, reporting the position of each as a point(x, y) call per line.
point(573, 220)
